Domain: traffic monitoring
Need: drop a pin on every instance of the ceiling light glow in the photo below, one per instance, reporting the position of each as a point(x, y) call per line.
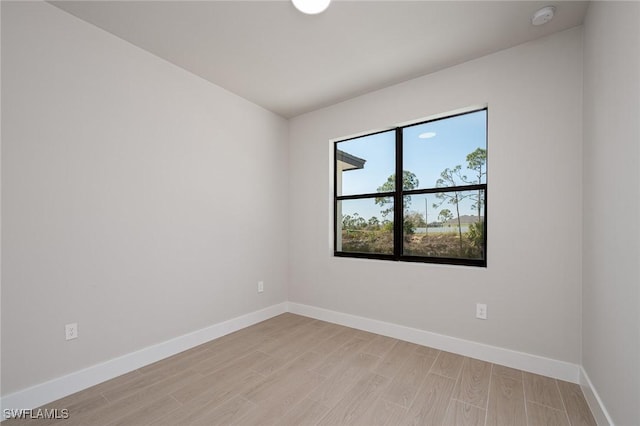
point(311, 7)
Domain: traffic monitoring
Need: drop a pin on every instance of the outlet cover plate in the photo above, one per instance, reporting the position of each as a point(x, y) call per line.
point(481, 311)
point(71, 331)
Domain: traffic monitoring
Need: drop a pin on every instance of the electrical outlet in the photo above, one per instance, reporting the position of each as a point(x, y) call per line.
point(71, 331)
point(260, 286)
point(481, 311)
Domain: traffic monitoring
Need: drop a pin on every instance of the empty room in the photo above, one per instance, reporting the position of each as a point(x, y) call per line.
point(320, 212)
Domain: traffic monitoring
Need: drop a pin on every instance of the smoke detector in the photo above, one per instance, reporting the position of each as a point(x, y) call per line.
point(543, 16)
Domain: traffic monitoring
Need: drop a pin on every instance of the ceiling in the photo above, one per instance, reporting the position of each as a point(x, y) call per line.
point(290, 63)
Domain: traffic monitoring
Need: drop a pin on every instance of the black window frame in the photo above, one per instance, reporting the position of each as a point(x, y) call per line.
point(398, 198)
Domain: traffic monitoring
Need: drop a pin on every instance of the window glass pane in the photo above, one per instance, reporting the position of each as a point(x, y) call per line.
point(454, 221)
point(447, 152)
point(366, 165)
point(365, 225)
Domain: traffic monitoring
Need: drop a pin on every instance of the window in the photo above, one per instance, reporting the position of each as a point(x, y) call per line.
point(438, 214)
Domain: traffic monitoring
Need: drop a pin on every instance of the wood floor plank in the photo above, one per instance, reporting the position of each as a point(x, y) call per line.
point(223, 357)
point(431, 403)
point(186, 414)
point(224, 390)
point(407, 381)
point(358, 401)
point(328, 329)
point(148, 413)
point(461, 414)
point(282, 381)
point(281, 400)
point(259, 332)
point(395, 358)
point(448, 365)
point(263, 328)
point(287, 321)
point(307, 361)
point(472, 386)
point(171, 384)
point(269, 365)
point(307, 412)
point(278, 342)
point(322, 335)
point(77, 399)
point(181, 415)
point(363, 335)
point(426, 350)
point(123, 407)
point(542, 390)
point(383, 413)
point(176, 363)
point(506, 399)
point(164, 385)
point(343, 378)
point(117, 382)
point(234, 371)
point(335, 341)
point(226, 414)
point(337, 357)
point(132, 387)
point(502, 371)
point(293, 345)
point(541, 415)
point(575, 404)
point(112, 412)
point(380, 345)
point(77, 406)
point(205, 402)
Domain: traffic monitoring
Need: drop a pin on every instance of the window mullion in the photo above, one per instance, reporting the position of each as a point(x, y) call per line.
point(397, 204)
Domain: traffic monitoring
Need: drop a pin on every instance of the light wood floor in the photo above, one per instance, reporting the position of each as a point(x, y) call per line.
point(293, 370)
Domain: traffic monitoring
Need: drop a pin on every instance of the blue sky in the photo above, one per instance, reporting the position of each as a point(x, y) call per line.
point(444, 144)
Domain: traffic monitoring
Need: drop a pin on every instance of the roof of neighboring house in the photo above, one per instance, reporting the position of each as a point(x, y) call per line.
point(352, 160)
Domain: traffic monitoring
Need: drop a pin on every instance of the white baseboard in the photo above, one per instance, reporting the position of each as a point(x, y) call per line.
point(598, 409)
point(60, 387)
point(52, 390)
point(514, 359)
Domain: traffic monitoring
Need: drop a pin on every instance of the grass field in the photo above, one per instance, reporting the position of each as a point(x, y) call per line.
point(442, 244)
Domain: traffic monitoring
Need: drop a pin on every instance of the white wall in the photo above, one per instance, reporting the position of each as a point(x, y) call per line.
point(138, 200)
point(611, 254)
point(532, 282)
